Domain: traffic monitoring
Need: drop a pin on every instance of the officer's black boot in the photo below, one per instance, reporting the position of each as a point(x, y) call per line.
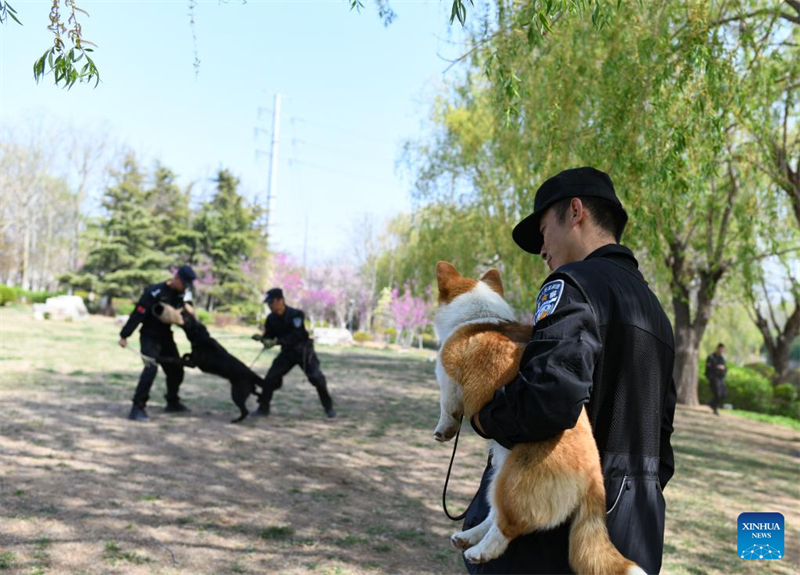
point(138, 414)
point(263, 411)
point(175, 406)
point(325, 399)
point(263, 401)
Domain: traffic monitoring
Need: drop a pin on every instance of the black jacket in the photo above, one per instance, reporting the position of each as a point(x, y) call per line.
point(143, 314)
point(712, 367)
point(289, 329)
point(604, 342)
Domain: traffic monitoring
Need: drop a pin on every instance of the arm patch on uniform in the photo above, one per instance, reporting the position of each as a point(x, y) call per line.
point(140, 308)
point(548, 299)
point(298, 321)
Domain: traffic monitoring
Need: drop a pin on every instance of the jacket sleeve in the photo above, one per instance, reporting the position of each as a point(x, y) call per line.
point(296, 333)
point(666, 466)
point(142, 307)
point(555, 377)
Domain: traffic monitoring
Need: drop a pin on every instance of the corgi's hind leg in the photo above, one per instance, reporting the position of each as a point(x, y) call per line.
point(466, 539)
point(491, 546)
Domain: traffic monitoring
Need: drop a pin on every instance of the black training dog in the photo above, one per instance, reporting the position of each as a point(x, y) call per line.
point(210, 357)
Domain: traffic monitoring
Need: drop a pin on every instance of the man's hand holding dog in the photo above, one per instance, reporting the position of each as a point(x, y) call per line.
point(267, 342)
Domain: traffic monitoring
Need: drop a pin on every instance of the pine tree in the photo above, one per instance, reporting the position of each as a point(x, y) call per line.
point(229, 232)
point(125, 255)
point(172, 215)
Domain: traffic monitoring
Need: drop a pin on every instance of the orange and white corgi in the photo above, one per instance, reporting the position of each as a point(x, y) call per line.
point(535, 486)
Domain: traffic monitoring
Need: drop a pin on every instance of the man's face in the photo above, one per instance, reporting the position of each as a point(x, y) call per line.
point(556, 248)
point(178, 284)
point(277, 306)
point(720, 350)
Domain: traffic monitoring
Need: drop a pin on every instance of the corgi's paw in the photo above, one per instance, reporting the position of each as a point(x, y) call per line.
point(478, 555)
point(461, 541)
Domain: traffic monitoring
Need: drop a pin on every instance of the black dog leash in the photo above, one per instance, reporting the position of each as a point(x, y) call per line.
point(447, 480)
point(256, 359)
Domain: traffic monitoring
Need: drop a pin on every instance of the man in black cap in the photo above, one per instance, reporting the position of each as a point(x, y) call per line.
point(285, 326)
point(601, 340)
point(157, 343)
point(715, 372)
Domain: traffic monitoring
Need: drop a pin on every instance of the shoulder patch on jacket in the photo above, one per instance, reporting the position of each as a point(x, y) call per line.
point(298, 321)
point(548, 299)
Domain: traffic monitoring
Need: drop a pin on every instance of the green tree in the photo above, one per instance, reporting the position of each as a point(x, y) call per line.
point(230, 235)
point(659, 100)
point(173, 217)
point(124, 255)
point(772, 283)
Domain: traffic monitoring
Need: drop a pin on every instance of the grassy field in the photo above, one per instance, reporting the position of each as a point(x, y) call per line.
point(83, 490)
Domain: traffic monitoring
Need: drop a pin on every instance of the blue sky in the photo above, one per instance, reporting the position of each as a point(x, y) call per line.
point(353, 91)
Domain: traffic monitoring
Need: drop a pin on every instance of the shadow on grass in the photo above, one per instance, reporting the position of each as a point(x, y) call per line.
point(292, 484)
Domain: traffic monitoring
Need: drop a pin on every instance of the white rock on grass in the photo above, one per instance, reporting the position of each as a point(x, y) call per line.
point(38, 311)
point(66, 307)
point(332, 336)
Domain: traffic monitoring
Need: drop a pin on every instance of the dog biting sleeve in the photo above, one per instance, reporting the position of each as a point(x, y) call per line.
point(555, 376)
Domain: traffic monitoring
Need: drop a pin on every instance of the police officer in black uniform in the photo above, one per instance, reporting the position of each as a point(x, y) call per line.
point(715, 372)
point(285, 327)
point(602, 340)
point(156, 342)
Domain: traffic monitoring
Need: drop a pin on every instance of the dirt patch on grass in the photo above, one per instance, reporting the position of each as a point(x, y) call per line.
point(83, 490)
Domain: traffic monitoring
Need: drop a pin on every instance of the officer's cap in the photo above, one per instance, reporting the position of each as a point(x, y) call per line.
point(572, 183)
point(187, 275)
point(273, 294)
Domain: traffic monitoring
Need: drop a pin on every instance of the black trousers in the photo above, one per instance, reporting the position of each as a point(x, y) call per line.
point(719, 391)
point(305, 357)
point(162, 347)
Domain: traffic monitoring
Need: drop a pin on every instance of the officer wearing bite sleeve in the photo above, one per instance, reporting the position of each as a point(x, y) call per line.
point(156, 342)
point(600, 339)
point(285, 326)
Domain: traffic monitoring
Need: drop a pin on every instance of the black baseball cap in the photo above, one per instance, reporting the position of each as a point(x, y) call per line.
point(572, 183)
point(273, 294)
point(187, 275)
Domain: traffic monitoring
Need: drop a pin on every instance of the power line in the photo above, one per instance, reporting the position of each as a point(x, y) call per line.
point(337, 129)
point(352, 156)
point(332, 170)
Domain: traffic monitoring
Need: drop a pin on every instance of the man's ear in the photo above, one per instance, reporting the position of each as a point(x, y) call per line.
point(446, 277)
point(492, 279)
point(577, 211)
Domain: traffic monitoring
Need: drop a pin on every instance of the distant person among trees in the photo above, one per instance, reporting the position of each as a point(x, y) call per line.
point(156, 341)
point(285, 327)
point(715, 372)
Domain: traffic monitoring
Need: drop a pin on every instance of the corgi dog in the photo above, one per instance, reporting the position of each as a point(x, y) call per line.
point(535, 486)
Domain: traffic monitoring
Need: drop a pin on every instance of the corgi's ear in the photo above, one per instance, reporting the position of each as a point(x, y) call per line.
point(446, 277)
point(492, 279)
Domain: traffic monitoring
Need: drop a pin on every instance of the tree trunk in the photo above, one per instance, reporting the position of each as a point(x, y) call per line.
point(687, 351)
point(48, 242)
point(689, 331)
point(26, 257)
